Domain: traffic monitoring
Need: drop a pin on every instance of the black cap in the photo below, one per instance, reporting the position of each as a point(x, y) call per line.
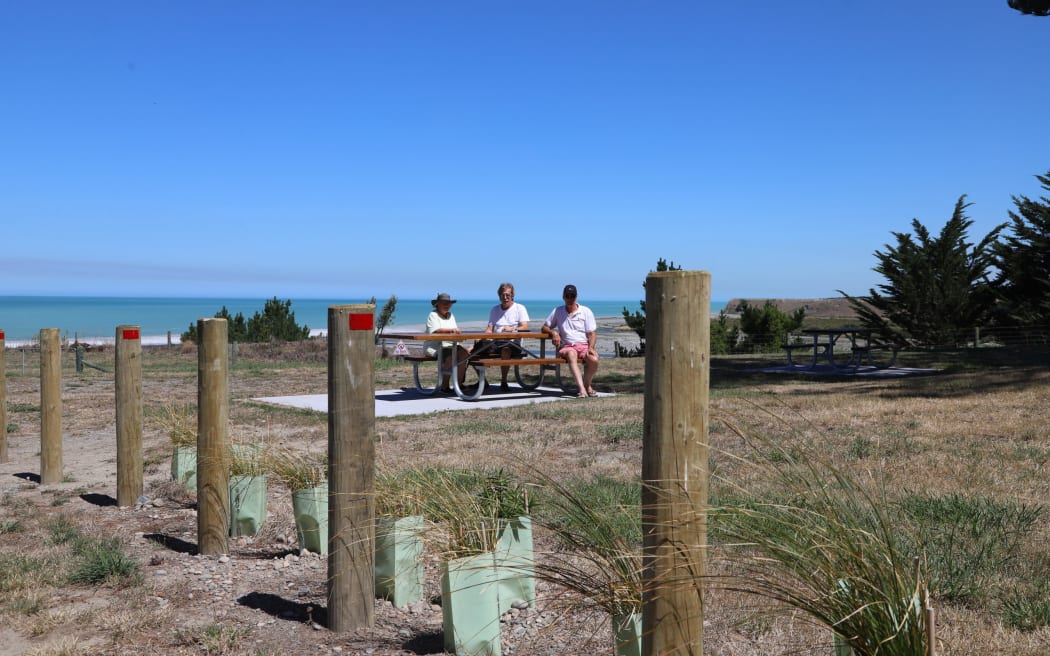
point(570, 290)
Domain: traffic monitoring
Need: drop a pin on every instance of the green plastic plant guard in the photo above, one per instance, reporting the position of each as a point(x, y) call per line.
point(399, 559)
point(310, 507)
point(627, 633)
point(247, 504)
point(469, 606)
point(184, 466)
point(515, 567)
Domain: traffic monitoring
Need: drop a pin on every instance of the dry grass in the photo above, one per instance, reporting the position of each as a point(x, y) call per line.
point(979, 427)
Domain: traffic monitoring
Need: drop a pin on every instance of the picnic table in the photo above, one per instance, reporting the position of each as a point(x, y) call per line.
point(481, 360)
point(820, 344)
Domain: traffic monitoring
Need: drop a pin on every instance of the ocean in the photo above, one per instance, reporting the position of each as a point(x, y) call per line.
point(94, 319)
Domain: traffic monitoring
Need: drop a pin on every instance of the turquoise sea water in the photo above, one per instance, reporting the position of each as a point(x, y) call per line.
point(22, 317)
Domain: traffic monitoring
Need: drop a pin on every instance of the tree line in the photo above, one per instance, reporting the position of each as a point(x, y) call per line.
point(276, 322)
point(938, 288)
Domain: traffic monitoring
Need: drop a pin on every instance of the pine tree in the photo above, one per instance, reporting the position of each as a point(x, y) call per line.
point(1023, 259)
point(1032, 7)
point(936, 287)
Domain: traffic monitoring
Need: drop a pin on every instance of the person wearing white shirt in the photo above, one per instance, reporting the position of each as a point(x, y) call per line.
point(505, 317)
point(574, 333)
point(442, 322)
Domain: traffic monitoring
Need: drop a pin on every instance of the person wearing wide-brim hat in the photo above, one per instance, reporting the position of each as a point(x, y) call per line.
point(442, 322)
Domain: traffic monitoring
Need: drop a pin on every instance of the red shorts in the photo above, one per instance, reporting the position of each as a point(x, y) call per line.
point(581, 350)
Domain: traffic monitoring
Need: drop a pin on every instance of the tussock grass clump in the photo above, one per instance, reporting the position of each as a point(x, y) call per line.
point(598, 525)
point(469, 503)
point(822, 545)
point(95, 560)
point(401, 493)
point(248, 458)
point(180, 423)
point(102, 561)
point(297, 470)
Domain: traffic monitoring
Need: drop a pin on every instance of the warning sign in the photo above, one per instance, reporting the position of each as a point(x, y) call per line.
point(400, 349)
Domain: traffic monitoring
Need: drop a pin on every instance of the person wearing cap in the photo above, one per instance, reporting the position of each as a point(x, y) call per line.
point(574, 333)
point(505, 317)
point(442, 322)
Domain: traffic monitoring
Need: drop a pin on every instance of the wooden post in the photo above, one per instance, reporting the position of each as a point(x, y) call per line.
point(213, 443)
point(674, 460)
point(50, 407)
point(128, 384)
point(351, 467)
point(3, 398)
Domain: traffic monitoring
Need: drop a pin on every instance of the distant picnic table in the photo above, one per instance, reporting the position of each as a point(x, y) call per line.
point(819, 345)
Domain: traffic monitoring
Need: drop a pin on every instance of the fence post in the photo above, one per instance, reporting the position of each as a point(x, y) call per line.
point(50, 406)
point(674, 460)
point(3, 397)
point(128, 385)
point(213, 445)
point(351, 466)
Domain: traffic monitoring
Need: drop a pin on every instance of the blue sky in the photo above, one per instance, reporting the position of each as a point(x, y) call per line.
point(350, 149)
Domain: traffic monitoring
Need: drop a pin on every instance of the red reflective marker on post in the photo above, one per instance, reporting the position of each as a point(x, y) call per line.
point(2, 335)
point(130, 334)
point(363, 321)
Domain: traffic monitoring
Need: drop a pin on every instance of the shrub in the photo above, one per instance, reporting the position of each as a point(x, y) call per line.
point(275, 322)
point(766, 328)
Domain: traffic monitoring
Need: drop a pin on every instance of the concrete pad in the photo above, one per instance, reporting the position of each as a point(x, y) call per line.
point(407, 401)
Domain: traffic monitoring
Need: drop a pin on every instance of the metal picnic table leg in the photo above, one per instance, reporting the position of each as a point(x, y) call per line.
point(428, 391)
point(460, 392)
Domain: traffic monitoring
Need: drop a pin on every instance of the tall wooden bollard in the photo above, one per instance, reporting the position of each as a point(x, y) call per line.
point(50, 406)
point(674, 460)
point(3, 398)
point(351, 467)
point(213, 442)
point(128, 383)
